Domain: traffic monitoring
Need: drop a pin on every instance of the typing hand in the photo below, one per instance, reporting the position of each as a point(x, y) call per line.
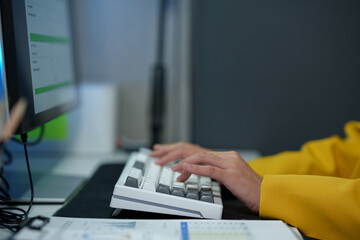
point(172, 152)
point(228, 168)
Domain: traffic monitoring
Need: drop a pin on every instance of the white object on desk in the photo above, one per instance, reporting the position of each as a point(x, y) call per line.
point(92, 125)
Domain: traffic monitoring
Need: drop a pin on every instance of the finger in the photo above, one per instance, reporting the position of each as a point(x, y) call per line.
point(159, 153)
point(157, 146)
point(207, 171)
point(204, 158)
point(183, 176)
point(172, 156)
point(165, 146)
point(162, 149)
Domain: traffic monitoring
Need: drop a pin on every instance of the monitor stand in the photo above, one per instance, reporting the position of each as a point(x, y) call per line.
point(48, 187)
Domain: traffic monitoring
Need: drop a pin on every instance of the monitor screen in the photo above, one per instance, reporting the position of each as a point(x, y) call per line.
point(38, 45)
point(3, 105)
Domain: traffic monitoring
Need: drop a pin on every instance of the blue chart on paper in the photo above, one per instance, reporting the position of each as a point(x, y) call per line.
point(184, 231)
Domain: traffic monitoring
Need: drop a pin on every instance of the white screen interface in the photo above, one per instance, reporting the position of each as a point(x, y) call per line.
point(50, 46)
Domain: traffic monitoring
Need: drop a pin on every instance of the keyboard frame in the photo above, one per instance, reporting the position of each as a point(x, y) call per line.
point(125, 197)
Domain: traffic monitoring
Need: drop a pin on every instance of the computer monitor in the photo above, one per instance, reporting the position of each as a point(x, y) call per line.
point(39, 61)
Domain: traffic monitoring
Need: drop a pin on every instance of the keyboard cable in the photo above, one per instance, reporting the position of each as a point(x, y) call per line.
point(13, 218)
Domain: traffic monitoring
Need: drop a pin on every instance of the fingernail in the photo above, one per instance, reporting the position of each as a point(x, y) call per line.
point(174, 167)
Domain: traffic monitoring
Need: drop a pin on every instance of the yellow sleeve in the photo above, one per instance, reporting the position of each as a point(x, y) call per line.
point(321, 207)
point(316, 189)
point(327, 157)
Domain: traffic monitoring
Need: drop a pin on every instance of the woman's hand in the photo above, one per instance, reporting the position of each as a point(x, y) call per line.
point(228, 168)
point(172, 152)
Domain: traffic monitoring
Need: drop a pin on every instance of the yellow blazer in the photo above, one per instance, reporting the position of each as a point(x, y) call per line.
point(316, 189)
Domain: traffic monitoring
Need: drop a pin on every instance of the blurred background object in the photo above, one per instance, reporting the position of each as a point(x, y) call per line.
point(240, 74)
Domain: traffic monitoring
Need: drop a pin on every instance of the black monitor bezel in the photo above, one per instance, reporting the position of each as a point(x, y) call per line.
point(18, 71)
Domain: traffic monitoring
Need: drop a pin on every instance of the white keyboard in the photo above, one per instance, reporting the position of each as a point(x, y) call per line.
point(144, 186)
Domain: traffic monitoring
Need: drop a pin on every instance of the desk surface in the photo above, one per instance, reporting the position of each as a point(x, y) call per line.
point(72, 164)
point(69, 164)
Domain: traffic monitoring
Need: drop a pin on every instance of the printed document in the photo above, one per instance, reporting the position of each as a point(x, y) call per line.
point(60, 228)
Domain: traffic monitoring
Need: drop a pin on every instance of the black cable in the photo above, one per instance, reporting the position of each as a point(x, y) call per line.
point(24, 140)
point(38, 139)
point(9, 156)
point(12, 218)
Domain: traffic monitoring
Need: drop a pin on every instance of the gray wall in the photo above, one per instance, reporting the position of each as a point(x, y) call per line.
point(270, 75)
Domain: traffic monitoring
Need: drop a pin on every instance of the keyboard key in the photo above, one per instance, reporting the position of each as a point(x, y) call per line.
point(178, 188)
point(205, 182)
point(178, 192)
point(216, 189)
point(134, 178)
point(150, 185)
point(179, 185)
point(132, 182)
point(152, 177)
point(166, 176)
point(140, 165)
point(154, 171)
point(192, 187)
point(206, 195)
point(144, 151)
point(163, 189)
point(193, 179)
point(165, 180)
point(141, 157)
point(192, 193)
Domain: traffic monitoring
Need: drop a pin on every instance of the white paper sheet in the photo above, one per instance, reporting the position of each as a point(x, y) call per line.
point(110, 229)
